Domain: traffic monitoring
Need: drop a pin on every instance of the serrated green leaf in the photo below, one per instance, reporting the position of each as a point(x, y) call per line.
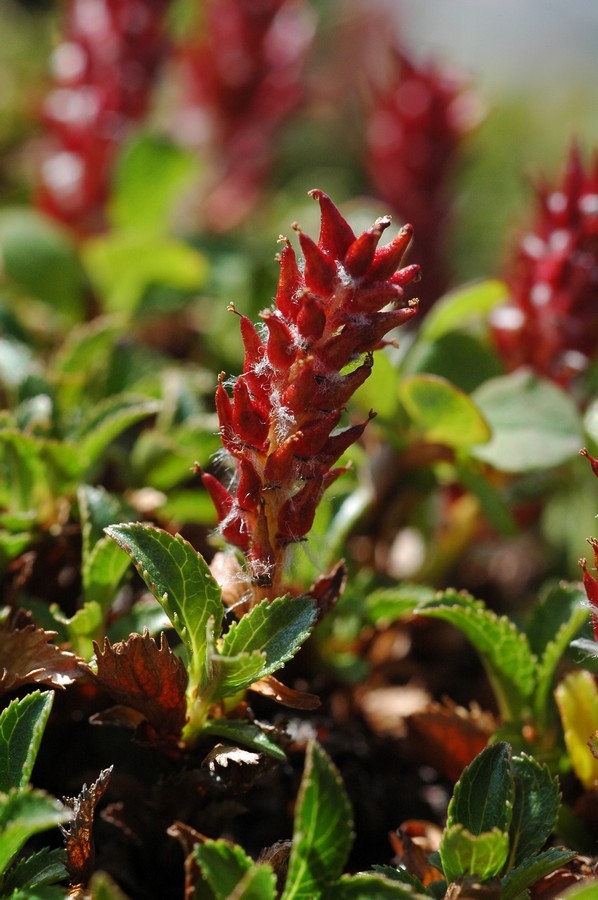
point(387, 605)
point(277, 629)
point(463, 853)
point(22, 725)
point(322, 833)
point(259, 883)
point(504, 651)
point(442, 412)
point(24, 813)
point(483, 797)
point(134, 206)
point(572, 601)
point(458, 308)
point(181, 581)
point(370, 887)
point(577, 699)
point(531, 870)
point(246, 733)
point(231, 674)
point(535, 425)
point(223, 865)
point(41, 868)
point(107, 420)
point(535, 808)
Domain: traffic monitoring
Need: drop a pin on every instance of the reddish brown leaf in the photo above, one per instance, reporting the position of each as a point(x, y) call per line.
point(28, 655)
point(447, 737)
point(275, 690)
point(413, 842)
point(327, 589)
point(188, 837)
point(147, 678)
point(78, 839)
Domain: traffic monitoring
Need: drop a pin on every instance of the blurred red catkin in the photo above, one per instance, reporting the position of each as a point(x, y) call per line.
point(104, 72)
point(279, 426)
point(414, 132)
point(551, 321)
point(242, 77)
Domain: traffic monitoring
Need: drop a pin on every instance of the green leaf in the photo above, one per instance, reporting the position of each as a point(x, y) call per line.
point(456, 356)
point(41, 259)
point(573, 616)
point(141, 201)
point(370, 887)
point(322, 833)
point(107, 420)
point(577, 699)
point(277, 629)
point(375, 392)
point(22, 725)
point(123, 265)
point(24, 813)
point(231, 674)
point(464, 853)
point(259, 883)
point(401, 875)
point(102, 887)
point(483, 797)
point(98, 509)
point(102, 572)
point(181, 581)
point(442, 412)
point(492, 504)
point(504, 651)
point(41, 868)
point(81, 360)
point(472, 301)
point(387, 605)
point(535, 425)
point(222, 865)
point(531, 870)
point(535, 808)
point(83, 627)
point(246, 733)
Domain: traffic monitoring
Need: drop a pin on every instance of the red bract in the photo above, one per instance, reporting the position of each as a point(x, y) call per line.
point(105, 69)
point(551, 322)
point(278, 425)
point(242, 79)
point(414, 133)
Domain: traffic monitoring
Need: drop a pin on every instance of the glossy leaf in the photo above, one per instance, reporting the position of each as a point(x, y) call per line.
point(535, 425)
point(22, 725)
point(180, 580)
point(535, 808)
point(276, 629)
point(222, 865)
point(577, 699)
point(231, 674)
point(460, 307)
point(483, 797)
point(366, 886)
point(442, 412)
point(322, 833)
point(504, 651)
point(246, 733)
point(38, 869)
point(531, 870)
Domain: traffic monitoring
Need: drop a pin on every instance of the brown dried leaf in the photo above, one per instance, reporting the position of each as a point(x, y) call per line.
point(276, 690)
point(78, 839)
point(327, 589)
point(448, 737)
point(188, 837)
point(413, 842)
point(28, 655)
point(147, 678)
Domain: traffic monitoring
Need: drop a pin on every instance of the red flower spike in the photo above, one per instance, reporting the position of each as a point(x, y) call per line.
point(281, 348)
point(336, 235)
point(311, 318)
point(592, 461)
point(591, 588)
point(408, 275)
point(388, 258)
point(289, 282)
point(250, 421)
point(320, 269)
point(594, 545)
point(221, 498)
point(360, 254)
point(551, 321)
point(292, 392)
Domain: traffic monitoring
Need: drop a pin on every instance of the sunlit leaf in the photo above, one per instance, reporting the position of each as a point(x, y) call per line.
point(246, 733)
point(461, 306)
point(531, 870)
point(577, 699)
point(483, 797)
point(464, 853)
point(442, 412)
point(22, 725)
point(24, 813)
